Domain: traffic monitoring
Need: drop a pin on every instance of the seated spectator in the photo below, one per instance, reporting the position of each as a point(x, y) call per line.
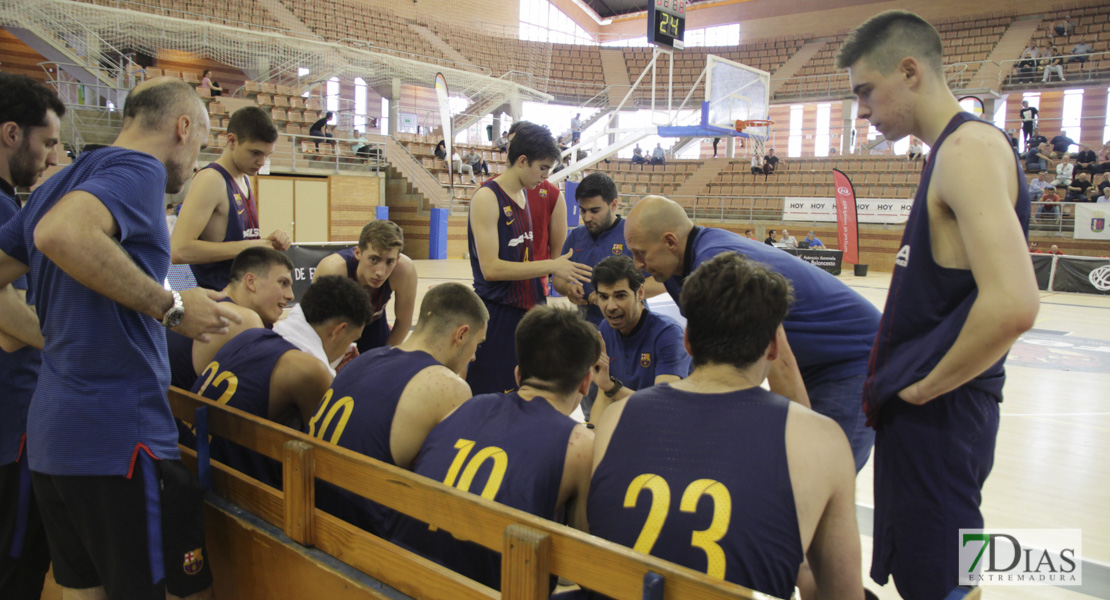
point(1079, 190)
point(1036, 158)
point(658, 156)
point(1065, 172)
point(1053, 63)
point(1104, 197)
point(1086, 161)
point(1060, 145)
point(441, 150)
point(917, 151)
point(1033, 249)
point(772, 238)
point(361, 145)
point(207, 83)
point(460, 167)
point(1039, 186)
point(1048, 208)
point(1055, 250)
point(1080, 53)
point(757, 165)
point(319, 130)
point(476, 162)
point(813, 241)
point(1103, 183)
point(1064, 28)
point(789, 240)
point(770, 162)
point(1104, 158)
point(748, 233)
point(1027, 64)
point(638, 155)
point(1013, 139)
point(1036, 139)
point(503, 142)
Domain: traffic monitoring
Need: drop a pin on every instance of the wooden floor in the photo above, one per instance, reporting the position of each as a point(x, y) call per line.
point(1052, 462)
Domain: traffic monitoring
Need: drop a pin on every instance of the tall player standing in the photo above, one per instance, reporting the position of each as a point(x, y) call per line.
point(501, 257)
point(961, 294)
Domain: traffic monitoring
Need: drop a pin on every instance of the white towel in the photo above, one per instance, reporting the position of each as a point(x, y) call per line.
point(296, 330)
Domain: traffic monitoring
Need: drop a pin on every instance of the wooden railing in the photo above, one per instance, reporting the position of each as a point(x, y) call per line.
point(532, 548)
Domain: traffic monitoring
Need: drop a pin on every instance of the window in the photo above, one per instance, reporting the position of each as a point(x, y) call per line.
point(333, 99)
point(360, 104)
point(821, 140)
point(721, 35)
point(541, 21)
point(1073, 111)
point(794, 145)
point(301, 71)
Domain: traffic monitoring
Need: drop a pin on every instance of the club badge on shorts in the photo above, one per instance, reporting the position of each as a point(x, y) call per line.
point(194, 562)
point(618, 249)
point(508, 212)
point(645, 359)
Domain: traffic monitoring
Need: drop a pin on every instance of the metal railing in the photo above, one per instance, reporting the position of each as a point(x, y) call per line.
point(154, 9)
point(1017, 76)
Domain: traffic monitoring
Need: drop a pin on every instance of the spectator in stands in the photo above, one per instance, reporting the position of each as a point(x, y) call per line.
point(1086, 161)
point(1012, 133)
point(1027, 64)
point(476, 162)
point(319, 130)
point(1049, 210)
point(1103, 185)
point(576, 128)
point(789, 240)
point(1065, 171)
point(748, 233)
point(916, 151)
point(813, 241)
point(638, 155)
point(503, 141)
point(206, 82)
point(1040, 184)
point(1060, 145)
point(1029, 116)
point(1055, 250)
point(1064, 28)
point(716, 141)
point(460, 167)
point(361, 145)
point(1080, 189)
point(771, 238)
point(1104, 158)
point(1036, 139)
point(1033, 249)
point(441, 150)
point(770, 162)
point(757, 165)
point(1037, 159)
point(658, 156)
point(1080, 54)
point(1053, 63)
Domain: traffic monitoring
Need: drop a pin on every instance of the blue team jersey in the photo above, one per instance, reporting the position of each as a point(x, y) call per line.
point(357, 413)
point(589, 250)
point(179, 349)
point(654, 347)
point(239, 377)
point(19, 370)
point(101, 394)
point(830, 326)
point(502, 447)
point(242, 224)
point(928, 304)
point(711, 463)
point(514, 235)
point(376, 333)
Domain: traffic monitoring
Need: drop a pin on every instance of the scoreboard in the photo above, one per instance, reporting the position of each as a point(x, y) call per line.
point(667, 23)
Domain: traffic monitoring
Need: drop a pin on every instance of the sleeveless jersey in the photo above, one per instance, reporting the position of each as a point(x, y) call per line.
point(357, 413)
point(20, 369)
point(514, 235)
point(831, 327)
point(927, 304)
point(239, 376)
point(180, 348)
point(500, 446)
point(242, 224)
point(711, 463)
point(372, 334)
point(541, 203)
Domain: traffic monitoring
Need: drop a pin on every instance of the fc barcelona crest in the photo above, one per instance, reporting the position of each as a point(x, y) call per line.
point(1098, 221)
point(194, 562)
point(508, 211)
point(645, 359)
point(543, 192)
point(618, 249)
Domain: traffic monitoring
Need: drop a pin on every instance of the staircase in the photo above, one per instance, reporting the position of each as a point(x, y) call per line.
point(407, 166)
point(790, 67)
point(446, 50)
point(615, 72)
point(992, 73)
point(700, 178)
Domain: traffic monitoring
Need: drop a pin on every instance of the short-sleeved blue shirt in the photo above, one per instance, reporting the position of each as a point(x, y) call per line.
point(653, 348)
point(19, 370)
point(101, 394)
point(590, 250)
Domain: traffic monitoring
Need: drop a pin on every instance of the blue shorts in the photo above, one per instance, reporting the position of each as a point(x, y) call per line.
point(374, 335)
point(842, 401)
point(930, 465)
point(494, 366)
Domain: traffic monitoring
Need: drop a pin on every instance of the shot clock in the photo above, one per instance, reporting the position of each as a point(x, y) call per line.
point(667, 23)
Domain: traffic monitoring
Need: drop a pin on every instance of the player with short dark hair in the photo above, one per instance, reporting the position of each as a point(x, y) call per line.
point(101, 439)
point(219, 217)
point(379, 266)
point(261, 373)
point(641, 348)
point(506, 276)
point(549, 216)
point(740, 483)
point(30, 116)
point(261, 285)
point(384, 403)
point(956, 305)
point(521, 448)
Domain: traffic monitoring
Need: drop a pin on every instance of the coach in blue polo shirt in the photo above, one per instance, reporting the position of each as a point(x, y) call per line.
point(641, 348)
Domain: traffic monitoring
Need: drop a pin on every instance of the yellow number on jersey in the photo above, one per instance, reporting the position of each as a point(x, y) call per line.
point(493, 484)
point(346, 404)
point(216, 378)
point(660, 504)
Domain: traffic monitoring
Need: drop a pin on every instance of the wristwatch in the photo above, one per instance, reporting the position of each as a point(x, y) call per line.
point(176, 313)
point(617, 387)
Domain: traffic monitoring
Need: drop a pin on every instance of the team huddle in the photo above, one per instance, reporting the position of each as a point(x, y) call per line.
point(684, 454)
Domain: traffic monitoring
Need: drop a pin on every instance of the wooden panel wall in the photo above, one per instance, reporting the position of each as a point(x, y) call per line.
point(353, 202)
point(19, 58)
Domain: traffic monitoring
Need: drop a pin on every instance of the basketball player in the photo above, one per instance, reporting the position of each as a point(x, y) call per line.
point(956, 305)
point(391, 397)
point(101, 440)
point(539, 458)
point(259, 372)
point(378, 265)
point(219, 217)
point(549, 216)
point(260, 287)
point(740, 483)
point(640, 348)
point(830, 326)
point(30, 115)
point(506, 277)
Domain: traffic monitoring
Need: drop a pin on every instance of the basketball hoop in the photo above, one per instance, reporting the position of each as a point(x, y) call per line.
point(742, 125)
